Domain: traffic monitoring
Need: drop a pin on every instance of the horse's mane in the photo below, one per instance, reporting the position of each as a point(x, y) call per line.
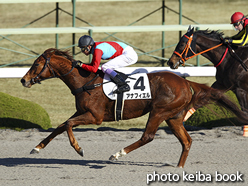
point(64, 53)
point(211, 34)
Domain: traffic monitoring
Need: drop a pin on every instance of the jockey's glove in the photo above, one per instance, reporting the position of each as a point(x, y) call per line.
point(77, 63)
point(227, 41)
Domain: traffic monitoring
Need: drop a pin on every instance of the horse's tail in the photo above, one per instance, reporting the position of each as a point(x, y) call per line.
point(204, 95)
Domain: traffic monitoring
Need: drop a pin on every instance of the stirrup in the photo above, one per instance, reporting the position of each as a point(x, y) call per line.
point(121, 89)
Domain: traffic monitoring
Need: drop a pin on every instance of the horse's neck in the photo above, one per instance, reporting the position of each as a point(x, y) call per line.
point(204, 43)
point(73, 78)
point(78, 78)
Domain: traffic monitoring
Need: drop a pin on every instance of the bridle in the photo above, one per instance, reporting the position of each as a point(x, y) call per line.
point(184, 54)
point(47, 64)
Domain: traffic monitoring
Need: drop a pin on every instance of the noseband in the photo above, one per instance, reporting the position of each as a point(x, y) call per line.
point(47, 63)
point(184, 54)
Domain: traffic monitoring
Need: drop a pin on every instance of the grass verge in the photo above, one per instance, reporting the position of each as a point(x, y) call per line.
point(19, 114)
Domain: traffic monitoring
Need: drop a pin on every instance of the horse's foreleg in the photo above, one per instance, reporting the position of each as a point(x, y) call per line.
point(180, 132)
point(83, 119)
point(148, 136)
point(60, 129)
point(73, 140)
point(242, 98)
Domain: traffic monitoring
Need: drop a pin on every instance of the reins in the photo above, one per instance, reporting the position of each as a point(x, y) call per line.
point(238, 58)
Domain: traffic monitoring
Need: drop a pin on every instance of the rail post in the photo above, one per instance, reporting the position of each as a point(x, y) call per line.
point(57, 25)
point(73, 25)
point(90, 34)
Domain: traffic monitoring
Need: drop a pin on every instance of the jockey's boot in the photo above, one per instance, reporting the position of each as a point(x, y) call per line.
point(121, 84)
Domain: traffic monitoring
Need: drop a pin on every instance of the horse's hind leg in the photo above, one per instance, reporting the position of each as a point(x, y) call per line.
point(182, 135)
point(151, 128)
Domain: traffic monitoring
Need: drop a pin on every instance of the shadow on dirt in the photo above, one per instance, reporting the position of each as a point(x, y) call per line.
point(55, 163)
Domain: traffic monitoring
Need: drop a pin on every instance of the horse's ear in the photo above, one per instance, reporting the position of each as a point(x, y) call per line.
point(49, 52)
point(192, 30)
point(52, 51)
point(189, 29)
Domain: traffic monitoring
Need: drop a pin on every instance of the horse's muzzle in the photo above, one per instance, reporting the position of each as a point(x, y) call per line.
point(171, 65)
point(26, 83)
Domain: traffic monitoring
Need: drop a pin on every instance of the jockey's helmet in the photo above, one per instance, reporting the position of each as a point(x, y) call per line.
point(237, 17)
point(85, 41)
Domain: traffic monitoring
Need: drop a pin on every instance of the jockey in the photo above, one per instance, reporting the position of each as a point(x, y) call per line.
point(240, 23)
point(119, 53)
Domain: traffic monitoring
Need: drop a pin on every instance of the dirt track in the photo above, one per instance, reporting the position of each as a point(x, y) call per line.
point(221, 149)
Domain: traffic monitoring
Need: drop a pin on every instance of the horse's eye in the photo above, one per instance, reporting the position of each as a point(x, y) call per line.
point(37, 64)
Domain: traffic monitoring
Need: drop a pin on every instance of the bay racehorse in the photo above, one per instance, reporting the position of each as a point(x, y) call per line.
point(171, 98)
point(230, 61)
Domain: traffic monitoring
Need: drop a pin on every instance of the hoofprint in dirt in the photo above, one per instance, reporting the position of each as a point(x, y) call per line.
point(215, 153)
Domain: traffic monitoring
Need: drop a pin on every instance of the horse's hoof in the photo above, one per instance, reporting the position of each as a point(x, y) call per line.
point(81, 152)
point(113, 158)
point(35, 151)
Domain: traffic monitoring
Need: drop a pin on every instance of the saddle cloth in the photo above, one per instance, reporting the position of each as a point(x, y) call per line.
point(137, 80)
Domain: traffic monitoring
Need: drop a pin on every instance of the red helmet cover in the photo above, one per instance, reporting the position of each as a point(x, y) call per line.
point(236, 17)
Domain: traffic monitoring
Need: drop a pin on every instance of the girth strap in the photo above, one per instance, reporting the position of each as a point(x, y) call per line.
point(119, 106)
point(86, 88)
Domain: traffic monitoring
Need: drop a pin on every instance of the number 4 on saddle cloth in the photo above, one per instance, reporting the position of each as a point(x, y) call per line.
point(139, 88)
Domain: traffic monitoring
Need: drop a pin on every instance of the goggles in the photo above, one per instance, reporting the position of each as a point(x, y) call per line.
point(84, 48)
point(237, 24)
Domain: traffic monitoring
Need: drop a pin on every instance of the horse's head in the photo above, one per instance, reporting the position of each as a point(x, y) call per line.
point(195, 43)
point(180, 54)
point(44, 67)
